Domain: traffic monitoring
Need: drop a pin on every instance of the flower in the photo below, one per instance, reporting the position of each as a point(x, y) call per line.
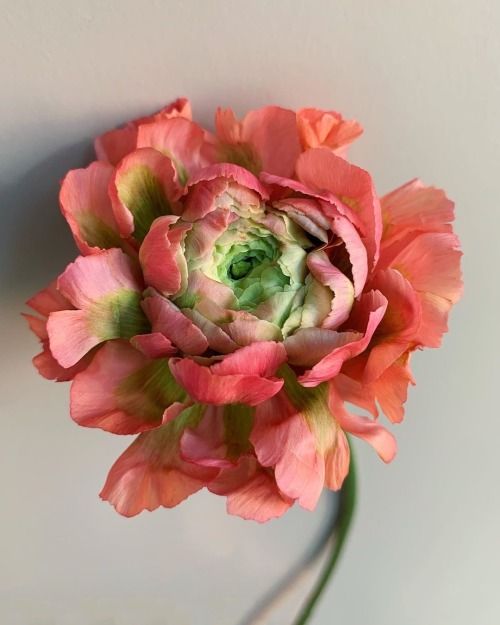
point(234, 291)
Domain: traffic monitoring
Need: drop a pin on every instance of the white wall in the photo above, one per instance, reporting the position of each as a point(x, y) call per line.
point(423, 77)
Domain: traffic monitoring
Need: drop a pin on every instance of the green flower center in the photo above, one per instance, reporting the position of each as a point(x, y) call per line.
point(249, 260)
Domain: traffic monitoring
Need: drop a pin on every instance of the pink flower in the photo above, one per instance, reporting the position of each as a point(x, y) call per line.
point(233, 291)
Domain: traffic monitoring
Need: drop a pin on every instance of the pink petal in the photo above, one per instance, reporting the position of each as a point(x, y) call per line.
point(283, 440)
point(217, 339)
point(161, 256)
point(48, 300)
point(167, 319)
point(272, 131)
point(241, 377)
point(90, 278)
point(70, 336)
point(391, 389)
point(431, 263)
point(150, 474)
point(369, 430)
point(342, 288)
point(153, 345)
point(326, 129)
point(86, 206)
point(321, 170)
point(251, 491)
point(112, 146)
point(122, 391)
point(414, 207)
point(308, 346)
point(371, 308)
point(179, 139)
point(142, 189)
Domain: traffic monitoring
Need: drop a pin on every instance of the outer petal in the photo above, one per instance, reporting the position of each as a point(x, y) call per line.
point(283, 440)
point(242, 377)
point(167, 319)
point(142, 189)
point(161, 256)
point(326, 129)
point(86, 206)
point(150, 473)
point(44, 302)
point(321, 170)
point(431, 263)
point(112, 146)
point(179, 139)
point(251, 491)
point(272, 132)
point(105, 289)
point(221, 437)
point(370, 310)
point(368, 429)
point(414, 207)
point(124, 392)
point(267, 139)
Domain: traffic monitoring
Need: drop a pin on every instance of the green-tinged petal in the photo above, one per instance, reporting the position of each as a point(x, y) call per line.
point(317, 304)
point(118, 315)
point(149, 391)
point(313, 404)
point(238, 421)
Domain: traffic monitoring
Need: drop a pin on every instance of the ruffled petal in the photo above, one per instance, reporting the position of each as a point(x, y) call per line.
point(167, 319)
point(112, 146)
point(368, 429)
point(151, 473)
point(245, 376)
point(326, 129)
point(370, 310)
point(251, 491)
point(178, 138)
point(86, 206)
point(321, 170)
point(267, 139)
point(341, 287)
point(414, 207)
point(105, 289)
point(142, 189)
point(161, 255)
point(124, 392)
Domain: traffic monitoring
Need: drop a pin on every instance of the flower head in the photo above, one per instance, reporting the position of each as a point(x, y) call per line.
point(232, 293)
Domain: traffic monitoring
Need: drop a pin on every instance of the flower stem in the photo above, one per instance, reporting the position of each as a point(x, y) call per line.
point(347, 504)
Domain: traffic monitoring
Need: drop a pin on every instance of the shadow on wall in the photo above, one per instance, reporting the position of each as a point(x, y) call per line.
point(35, 241)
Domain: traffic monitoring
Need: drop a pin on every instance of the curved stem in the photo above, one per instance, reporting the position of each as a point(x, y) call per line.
point(347, 504)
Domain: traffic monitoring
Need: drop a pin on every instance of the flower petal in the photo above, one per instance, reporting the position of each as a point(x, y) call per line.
point(150, 473)
point(369, 430)
point(341, 287)
point(124, 392)
point(241, 377)
point(161, 255)
point(320, 169)
point(86, 206)
point(180, 139)
point(167, 319)
point(370, 310)
point(112, 146)
point(142, 189)
point(106, 289)
point(326, 129)
point(251, 491)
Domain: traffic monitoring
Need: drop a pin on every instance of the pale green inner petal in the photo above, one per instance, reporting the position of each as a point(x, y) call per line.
point(261, 258)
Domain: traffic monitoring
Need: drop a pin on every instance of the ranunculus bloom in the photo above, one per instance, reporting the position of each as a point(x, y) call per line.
point(233, 291)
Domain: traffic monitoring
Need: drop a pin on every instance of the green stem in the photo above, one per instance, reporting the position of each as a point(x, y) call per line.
point(347, 504)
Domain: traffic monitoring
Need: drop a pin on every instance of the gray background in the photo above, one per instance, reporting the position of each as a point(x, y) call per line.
point(423, 78)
